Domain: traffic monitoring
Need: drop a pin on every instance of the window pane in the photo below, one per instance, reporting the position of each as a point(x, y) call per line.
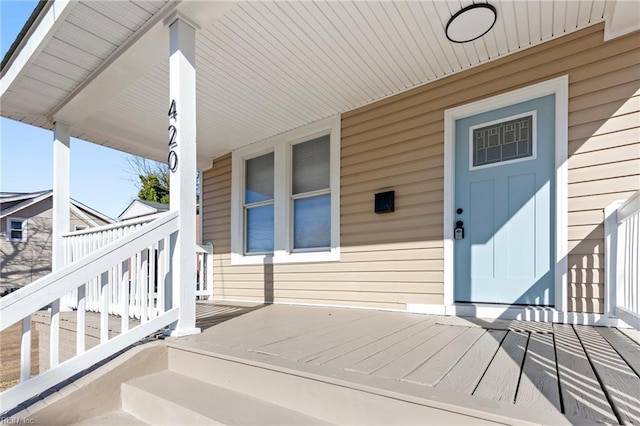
point(16, 224)
point(312, 222)
point(260, 229)
point(311, 165)
point(259, 179)
point(16, 235)
point(504, 141)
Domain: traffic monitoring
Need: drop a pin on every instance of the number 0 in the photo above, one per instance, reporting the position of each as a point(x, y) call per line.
point(173, 161)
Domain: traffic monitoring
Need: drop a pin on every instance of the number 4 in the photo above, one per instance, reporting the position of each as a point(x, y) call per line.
point(172, 110)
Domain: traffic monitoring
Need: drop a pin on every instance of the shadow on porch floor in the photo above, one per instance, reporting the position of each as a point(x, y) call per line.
point(584, 372)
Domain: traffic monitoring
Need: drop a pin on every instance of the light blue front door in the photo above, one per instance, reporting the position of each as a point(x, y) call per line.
point(504, 199)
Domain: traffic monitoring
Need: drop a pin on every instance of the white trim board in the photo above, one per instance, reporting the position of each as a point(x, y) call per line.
point(27, 203)
point(530, 313)
point(558, 87)
point(518, 313)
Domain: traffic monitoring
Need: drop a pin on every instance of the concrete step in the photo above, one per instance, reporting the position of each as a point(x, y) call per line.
point(113, 418)
point(170, 398)
point(324, 397)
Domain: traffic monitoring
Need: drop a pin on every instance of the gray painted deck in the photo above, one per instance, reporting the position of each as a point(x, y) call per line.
point(586, 372)
point(589, 373)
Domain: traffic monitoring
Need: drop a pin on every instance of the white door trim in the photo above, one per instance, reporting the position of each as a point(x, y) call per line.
point(558, 86)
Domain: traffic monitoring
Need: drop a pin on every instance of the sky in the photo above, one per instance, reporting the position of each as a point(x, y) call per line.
point(101, 177)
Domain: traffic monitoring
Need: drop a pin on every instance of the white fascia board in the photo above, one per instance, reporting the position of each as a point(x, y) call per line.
point(143, 210)
point(83, 209)
point(124, 212)
point(45, 29)
point(27, 203)
point(22, 196)
point(82, 215)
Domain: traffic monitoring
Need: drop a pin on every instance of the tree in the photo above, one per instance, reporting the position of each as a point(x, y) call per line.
point(153, 189)
point(152, 179)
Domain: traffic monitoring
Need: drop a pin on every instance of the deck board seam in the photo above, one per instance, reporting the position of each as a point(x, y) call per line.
point(605, 391)
point(555, 353)
point(411, 349)
point(624, 359)
point(489, 364)
point(460, 359)
point(382, 338)
point(524, 357)
point(312, 357)
point(317, 355)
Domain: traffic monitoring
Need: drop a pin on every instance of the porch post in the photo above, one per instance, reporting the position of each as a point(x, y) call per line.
point(182, 164)
point(60, 220)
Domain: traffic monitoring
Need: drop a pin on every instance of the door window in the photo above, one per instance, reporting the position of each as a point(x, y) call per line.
point(507, 140)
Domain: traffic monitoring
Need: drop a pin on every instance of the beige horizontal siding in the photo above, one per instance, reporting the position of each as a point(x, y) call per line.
point(389, 260)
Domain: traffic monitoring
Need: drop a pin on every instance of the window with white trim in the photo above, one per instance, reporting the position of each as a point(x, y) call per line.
point(258, 204)
point(285, 197)
point(16, 229)
point(311, 195)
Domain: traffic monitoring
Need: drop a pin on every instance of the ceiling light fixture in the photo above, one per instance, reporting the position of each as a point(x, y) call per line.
point(471, 23)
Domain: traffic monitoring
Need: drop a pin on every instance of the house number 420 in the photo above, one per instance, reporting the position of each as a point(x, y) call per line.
point(173, 135)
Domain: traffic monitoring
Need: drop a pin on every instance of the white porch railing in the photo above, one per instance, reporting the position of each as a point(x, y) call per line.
point(104, 266)
point(137, 270)
point(622, 254)
point(204, 279)
point(141, 270)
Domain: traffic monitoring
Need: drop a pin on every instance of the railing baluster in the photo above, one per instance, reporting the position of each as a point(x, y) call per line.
point(81, 320)
point(161, 272)
point(209, 272)
point(54, 330)
point(144, 285)
point(153, 282)
point(634, 265)
point(104, 312)
point(124, 302)
point(25, 350)
point(134, 261)
point(202, 281)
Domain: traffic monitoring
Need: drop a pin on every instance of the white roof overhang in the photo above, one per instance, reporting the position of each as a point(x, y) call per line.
point(262, 67)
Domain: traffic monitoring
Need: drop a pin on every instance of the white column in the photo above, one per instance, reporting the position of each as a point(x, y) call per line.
point(60, 220)
point(61, 190)
point(182, 162)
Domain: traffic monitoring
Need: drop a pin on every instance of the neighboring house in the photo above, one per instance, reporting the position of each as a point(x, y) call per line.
point(141, 208)
point(25, 234)
point(514, 142)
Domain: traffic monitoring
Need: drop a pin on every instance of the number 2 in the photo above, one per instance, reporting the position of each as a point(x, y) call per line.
point(173, 132)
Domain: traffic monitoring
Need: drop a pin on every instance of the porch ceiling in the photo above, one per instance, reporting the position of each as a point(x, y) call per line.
point(262, 67)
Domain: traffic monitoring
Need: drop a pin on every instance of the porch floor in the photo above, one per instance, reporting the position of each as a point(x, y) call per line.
point(592, 373)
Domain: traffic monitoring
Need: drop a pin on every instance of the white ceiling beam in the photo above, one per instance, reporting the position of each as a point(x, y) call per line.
point(125, 65)
point(136, 143)
point(623, 17)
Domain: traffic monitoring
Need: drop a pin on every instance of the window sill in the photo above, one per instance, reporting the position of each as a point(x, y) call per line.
point(284, 258)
